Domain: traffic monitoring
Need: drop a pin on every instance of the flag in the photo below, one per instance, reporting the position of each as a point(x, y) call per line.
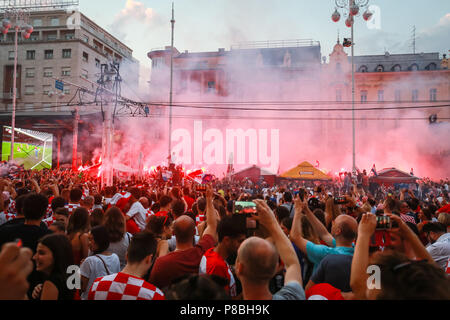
point(412, 172)
point(374, 170)
point(317, 163)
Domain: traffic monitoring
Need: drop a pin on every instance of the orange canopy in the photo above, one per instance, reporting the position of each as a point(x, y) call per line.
point(305, 171)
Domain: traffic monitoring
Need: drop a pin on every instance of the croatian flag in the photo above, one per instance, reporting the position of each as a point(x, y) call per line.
point(374, 170)
point(412, 172)
point(317, 163)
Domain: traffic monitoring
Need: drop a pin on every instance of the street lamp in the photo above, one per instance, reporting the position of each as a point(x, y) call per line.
point(20, 17)
point(352, 9)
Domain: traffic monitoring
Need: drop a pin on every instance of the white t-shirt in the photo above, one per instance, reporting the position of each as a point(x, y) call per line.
point(139, 214)
point(93, 268)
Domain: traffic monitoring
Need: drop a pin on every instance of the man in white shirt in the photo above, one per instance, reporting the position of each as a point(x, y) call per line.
point(439, 247)
point(137, 211)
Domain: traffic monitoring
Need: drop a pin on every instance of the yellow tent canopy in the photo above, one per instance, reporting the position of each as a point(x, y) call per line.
point(305, 171)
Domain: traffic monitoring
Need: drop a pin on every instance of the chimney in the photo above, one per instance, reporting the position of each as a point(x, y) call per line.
point(221, 50)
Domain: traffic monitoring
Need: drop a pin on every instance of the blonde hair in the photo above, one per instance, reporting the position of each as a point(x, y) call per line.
point(444, 218)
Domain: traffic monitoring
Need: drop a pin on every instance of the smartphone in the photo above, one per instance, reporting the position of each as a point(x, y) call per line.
point(201, 188)
point(245, 210)
point(301, 194)
point(383, 223)
point(340, 200)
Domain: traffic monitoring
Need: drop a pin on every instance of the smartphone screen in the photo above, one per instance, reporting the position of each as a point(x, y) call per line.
point(383, 222)
point(246, 209)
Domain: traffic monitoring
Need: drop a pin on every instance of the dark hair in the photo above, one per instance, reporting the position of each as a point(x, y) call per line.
point(229, 227)
point(287, 222)
point(136, 193)
point(176, 192)
point(75, 195)
point(35, 206)
point(61, 249)
point(201, 204)
point(156, 224)
point(165, 200)
point(320, 214)
point(435, 227)
point(141, 246)
point(58, 202)
point(115, 224)
point(78, 221)
point(198, 287)
point(287, 196)
point(62, 211)
point(20, 201)
point(101, 238)
point(97, 217)
point(178, 208)
point(59, 225)
point(282, 212)
point(402, 279)
point(98, 199)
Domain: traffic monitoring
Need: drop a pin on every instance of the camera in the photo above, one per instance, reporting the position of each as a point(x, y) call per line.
point(243, 211)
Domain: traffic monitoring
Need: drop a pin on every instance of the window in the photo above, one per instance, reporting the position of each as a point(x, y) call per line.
point(85, 38)
point(431, 66)
point(37, 23)
point(29, 90)
point(54, 22)
point(34, 36)
point(48, 54)
point(11, 55)
point(29, 105)
point(363, 96)
point(85, 57)
point(379, 68)
point(29, 72)
point(48, 72)
point(338, 95)
point(398, 96)
point(397, 68)
point(433, 94)
point(338, 67)
point(414, 67)
point(47, 89)
point(69, 36)
point(211, 86)
point(66, 89)
point(415, 95)
point(52, 37)
point(84, 73)
point(67, 53)
point(97, 63)
point(380, 95)
point(363, 69)
point(65, 71)
point(31, 55)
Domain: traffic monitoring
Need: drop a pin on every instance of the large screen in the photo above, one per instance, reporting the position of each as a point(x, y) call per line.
point(32, 148)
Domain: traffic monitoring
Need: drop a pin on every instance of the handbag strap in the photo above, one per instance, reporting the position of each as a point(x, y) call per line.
point(104, 264)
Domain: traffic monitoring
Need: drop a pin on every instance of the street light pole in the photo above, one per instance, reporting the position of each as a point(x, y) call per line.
point(171, 89)
point(353, 7)
point(13, 120)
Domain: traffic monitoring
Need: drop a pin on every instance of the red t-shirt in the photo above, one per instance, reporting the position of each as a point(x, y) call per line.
point(189, 202)
point(213, 263)
point(179, 263)
point(162, 213)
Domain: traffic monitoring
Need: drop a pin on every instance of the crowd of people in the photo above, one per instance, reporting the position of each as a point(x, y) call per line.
point(63, 237)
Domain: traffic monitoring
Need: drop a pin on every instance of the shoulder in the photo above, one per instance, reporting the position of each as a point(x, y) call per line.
point(291, 291)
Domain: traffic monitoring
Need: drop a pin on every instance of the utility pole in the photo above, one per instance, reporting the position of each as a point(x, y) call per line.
point(76, 119)
point(171, 89)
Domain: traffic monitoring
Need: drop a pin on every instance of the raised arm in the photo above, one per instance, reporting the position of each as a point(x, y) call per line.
point(360, 262)
point(317, 225)
point(211, 215)
point(296, 234)
point(284, 246)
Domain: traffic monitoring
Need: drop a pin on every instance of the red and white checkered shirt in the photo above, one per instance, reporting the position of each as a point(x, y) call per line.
point(122, 286)
point(12, 207)
point(5, 217)
point(407, 218)
point(71, 207)
point(49, 221)
point(49, 212)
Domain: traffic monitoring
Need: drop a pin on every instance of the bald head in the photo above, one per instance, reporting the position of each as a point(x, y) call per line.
point(257, 259)
point(184, 229)
point(144, 202)
point(346, 227)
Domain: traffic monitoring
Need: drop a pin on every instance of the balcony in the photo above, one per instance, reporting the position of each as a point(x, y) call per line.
point(9, 95)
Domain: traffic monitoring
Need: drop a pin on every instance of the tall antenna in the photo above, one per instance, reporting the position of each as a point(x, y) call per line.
point(171, 88)
point(414, 40)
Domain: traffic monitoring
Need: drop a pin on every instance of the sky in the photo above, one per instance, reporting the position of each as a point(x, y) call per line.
point(206, 25)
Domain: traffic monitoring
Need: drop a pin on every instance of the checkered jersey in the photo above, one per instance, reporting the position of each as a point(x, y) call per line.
point(49, 212)
point(5, 217)
point(71, 207)
point(12, 207)
point(122, 286)
point(213, 263)
point(407, 218)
